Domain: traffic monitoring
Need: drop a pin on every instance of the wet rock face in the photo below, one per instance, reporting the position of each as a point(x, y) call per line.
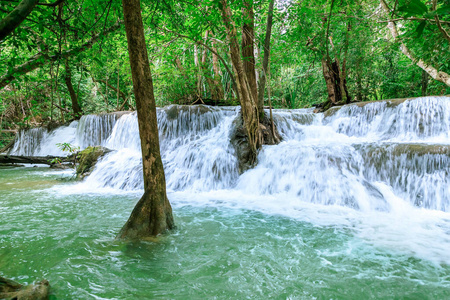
point(13, 290)
point(238, 138)
point(88, 158)
point(174, 111)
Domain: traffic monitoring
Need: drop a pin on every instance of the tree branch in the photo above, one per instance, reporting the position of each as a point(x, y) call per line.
point(16, 17)
point(41, 59)
point(433, 72)
point(438, 23)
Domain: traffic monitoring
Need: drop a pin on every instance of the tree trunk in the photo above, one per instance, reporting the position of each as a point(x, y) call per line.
point(153, 213)
point(335, 81)
point(186, 79)
point(433, 72)
point(77, 112)
point(262, 81)
point(199, 72)
point(213, 84)
point(216, 81)
point(246, 97)
point(328, 74)
point(204, 67)
point(44, 160)
point(17, 16)
point(248, 50)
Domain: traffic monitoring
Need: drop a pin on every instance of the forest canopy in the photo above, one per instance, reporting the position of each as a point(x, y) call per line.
point(68, 58)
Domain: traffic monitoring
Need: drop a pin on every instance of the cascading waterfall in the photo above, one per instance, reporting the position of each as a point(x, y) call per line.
point(194, 145)
point(43, 142)
point(90, 130)
point(378, 170)
point(94, 130)
point(347, 157)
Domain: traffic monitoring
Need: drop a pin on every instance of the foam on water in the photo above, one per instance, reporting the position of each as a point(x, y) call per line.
point(380, 169)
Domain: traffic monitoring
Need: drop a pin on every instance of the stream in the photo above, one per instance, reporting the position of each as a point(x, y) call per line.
point(352, 204)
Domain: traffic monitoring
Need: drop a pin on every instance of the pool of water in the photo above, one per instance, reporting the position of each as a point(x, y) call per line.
point(220, 250)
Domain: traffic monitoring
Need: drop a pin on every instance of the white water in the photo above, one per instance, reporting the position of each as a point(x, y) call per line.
point(91, 130)
point(381, 170)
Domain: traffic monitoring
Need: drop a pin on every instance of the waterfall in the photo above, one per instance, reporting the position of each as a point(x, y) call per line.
point(359, 156)
point(195, 150)
point(43, 142)
point(90, 130)
point(94, 130)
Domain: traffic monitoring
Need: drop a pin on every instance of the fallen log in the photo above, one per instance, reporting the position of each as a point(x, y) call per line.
point(46, 160)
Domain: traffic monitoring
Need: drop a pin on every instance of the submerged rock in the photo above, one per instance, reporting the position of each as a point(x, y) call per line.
point(10, 289)
point(87, 159)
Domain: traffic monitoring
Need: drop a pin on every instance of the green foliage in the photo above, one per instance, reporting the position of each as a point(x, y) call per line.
point(304, 32)
point(67, 147)
point(55, 160)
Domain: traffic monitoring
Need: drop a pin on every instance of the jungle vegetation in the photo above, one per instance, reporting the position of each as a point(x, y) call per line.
point(67, 58)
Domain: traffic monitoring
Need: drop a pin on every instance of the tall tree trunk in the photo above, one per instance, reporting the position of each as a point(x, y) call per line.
point(246, 97)
point(153, 213)
point(199, 71)
point(17, 16)
point(432, 71)
point(335, 81)
point(217, 82)
point(180, 68)
point(248, 49)
point(77, 112)
point(328, 75)
point(262, 81)
point(209, 79)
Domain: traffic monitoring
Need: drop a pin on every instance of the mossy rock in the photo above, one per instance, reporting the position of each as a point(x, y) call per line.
point(87, 159)
point(13, 290)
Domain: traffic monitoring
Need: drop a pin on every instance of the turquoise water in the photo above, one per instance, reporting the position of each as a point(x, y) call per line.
point(217, 252)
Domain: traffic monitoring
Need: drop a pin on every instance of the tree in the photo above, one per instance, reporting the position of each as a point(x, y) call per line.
point(16, 17)
point(263, 78)
point(153, 213)
point(434, 72)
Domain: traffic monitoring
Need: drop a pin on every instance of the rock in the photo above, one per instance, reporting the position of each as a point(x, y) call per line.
point(87, 159)
point(12, 290)
point(238, 139)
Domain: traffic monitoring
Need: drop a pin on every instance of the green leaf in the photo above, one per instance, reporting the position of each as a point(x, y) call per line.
point(99, 61)
point(420, 28)
point(443, 10)
point(413, 8)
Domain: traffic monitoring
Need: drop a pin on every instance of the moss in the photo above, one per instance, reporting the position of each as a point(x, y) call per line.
point(87, 159)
